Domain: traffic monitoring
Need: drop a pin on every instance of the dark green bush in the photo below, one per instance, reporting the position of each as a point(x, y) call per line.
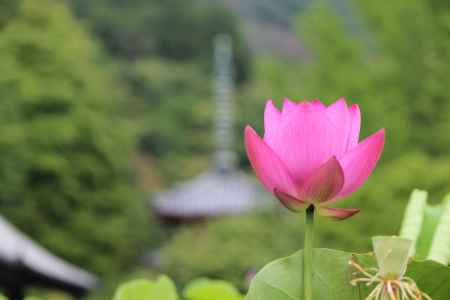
point(65, 176)
point(176, 30)
point(178, 105)
point(392, 60)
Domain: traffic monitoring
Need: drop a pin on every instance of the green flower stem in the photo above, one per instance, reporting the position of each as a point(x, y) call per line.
point(308, 253)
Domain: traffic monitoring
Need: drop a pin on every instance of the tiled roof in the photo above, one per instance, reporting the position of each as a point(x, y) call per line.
point(210, 194)
point(18, 252)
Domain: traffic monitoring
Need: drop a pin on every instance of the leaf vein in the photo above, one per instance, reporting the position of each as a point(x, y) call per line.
point(278, 289)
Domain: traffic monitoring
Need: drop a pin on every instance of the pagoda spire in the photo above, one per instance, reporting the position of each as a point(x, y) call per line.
point(224, 158)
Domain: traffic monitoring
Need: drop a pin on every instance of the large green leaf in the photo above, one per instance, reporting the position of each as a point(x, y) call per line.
point(440, 246)
point(414, 217)
point(428, 226)
point(431, 277)
point(432, 216)
point(143, 289)
point(282, 279)
point(207, 289)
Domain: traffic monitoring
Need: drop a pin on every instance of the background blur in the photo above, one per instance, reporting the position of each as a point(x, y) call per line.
point(103, 103)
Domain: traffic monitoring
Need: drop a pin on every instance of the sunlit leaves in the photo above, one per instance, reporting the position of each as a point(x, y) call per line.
point(142, 289)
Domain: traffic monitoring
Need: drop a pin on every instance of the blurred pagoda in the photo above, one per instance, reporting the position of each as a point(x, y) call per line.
point(23, 264)
point(223, 189)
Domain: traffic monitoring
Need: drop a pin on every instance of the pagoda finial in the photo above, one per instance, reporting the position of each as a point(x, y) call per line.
point(223, 87)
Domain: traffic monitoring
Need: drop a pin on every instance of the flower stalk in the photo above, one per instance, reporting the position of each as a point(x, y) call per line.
point(308, 253)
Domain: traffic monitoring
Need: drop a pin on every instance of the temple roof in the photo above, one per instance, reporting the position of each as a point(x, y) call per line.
point(26, 263)
point(213, 193)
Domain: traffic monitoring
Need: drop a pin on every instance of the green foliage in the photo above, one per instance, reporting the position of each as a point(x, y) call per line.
point(282, 279)
point(429, 227)
point(218, 251)
point(369, 62)
point(373, 65)
point(7, 10)
point(280, 13)
point(174, 29)
point(440, 247)
point(177, 128)
point(206, 289)
point(431, 277)
point(413, 217)
point(112, 282)
point(164, 289)
point(164, 51)
point(65, 177)
point(142, 289)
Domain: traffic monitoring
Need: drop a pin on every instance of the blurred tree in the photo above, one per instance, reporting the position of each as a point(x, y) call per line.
point(280, 13)
point(65, 177)
point(393, 62)
point(174, 29)
point(395, 65)
point(177, 128)
point(8, 9)
point(163, 50)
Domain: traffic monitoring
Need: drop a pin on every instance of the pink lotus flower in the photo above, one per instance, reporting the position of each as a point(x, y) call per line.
point(310, 154)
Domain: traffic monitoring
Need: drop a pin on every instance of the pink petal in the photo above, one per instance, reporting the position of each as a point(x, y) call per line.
point(272, 119)
point(355, 121)
point(359, 163)
point(305, 141)
point(318, 105)
point(323, 184)
point(338, 213)
point(290, 202)
point(268, 167)
point(288, 106)
point(339, 115)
